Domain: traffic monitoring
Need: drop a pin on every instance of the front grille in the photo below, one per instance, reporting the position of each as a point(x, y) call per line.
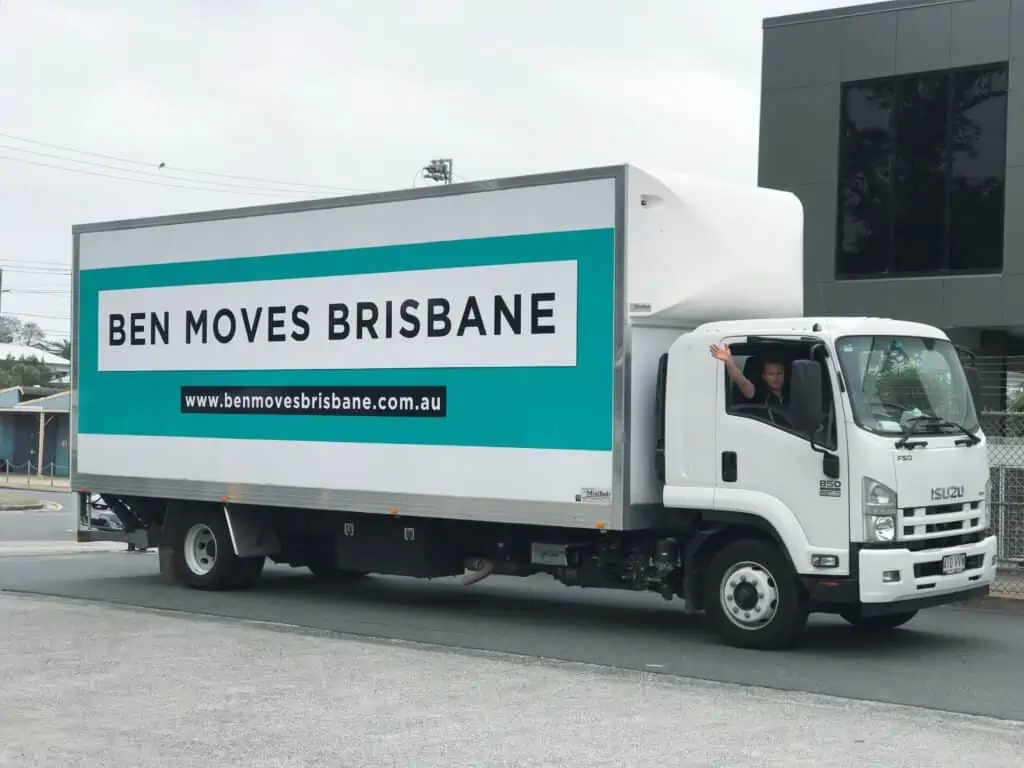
point(942, 525)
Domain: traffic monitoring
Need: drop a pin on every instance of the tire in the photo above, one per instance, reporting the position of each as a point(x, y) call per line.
point(754, 574)
point(881, 623)
point(203, 555)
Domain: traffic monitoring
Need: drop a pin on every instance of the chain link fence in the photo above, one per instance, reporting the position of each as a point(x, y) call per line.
point(1005, 434)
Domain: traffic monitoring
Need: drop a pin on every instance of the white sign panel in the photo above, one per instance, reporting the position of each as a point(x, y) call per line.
point(510, 315)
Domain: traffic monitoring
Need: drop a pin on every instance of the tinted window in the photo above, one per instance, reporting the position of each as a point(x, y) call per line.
point(977, 169)
point(922, 167)
point(865, 178)
point(919, 201)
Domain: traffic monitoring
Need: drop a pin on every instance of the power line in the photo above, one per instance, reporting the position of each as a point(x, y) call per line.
point(153, 174)
point(138, 181)
point(40, 291)
point(63, 263)
point(30, 271)
point(36, 263)
point(130, 161)
point(38, 316)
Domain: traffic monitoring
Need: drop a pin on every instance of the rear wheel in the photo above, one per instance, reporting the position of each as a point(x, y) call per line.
point(879, 623)
point(752, 597)
point(203, 554)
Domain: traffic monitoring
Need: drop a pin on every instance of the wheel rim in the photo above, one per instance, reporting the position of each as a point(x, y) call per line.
point(749, 595)
point(200, 549)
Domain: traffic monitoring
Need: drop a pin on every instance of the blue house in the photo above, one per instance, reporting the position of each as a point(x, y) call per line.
point(35, 431)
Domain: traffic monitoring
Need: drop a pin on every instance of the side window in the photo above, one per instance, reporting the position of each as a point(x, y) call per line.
point(767, 367)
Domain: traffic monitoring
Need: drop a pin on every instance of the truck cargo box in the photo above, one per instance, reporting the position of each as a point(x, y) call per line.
point(482, 351)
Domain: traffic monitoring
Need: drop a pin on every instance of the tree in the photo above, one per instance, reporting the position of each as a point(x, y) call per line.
point(1013, 424)
point(32, 335)
point(27, 372)
point(10, 329)
point(60, 348)
point(14, 331)
point(909, 383)
point(903, 385)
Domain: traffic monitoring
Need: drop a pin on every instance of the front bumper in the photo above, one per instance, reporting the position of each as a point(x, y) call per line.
point(921, 574)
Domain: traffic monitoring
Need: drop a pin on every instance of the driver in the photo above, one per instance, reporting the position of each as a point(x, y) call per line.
point(773, 377)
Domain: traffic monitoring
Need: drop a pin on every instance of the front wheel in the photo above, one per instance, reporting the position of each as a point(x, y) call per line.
point(753, 598)
point(879, 623)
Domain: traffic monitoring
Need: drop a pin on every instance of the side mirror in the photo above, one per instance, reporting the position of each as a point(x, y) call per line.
point(830, 465)
point(806, 404)
point(974, 384)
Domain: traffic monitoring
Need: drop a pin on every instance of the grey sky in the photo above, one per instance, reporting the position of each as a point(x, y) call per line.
point(349, 94)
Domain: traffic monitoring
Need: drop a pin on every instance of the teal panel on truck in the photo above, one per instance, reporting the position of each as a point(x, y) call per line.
point(567, 407)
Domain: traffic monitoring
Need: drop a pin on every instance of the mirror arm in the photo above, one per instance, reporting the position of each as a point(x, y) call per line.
point(818, 448)
point(815, 446)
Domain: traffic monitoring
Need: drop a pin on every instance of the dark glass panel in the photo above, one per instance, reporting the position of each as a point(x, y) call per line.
point(977, 169)
point(920, 174)
point(864, 194)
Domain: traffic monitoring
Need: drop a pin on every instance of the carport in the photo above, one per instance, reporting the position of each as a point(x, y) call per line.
point(35, 434)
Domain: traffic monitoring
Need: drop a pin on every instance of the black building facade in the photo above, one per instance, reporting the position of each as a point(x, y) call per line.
point(899, 127)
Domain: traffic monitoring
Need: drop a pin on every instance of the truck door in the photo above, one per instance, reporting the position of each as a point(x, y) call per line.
point(768, 469)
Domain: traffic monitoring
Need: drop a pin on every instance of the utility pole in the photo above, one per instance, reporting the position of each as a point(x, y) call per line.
point(439, 170)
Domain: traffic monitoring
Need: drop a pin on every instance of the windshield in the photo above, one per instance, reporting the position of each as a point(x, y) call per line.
point(902, 385)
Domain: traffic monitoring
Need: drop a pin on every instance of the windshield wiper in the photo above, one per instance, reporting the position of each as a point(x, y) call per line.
point(906, 442)
point(972, 439)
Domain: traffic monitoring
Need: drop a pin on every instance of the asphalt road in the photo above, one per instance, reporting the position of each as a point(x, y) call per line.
point(92, 686)
point(38, 526)
point(960, 660)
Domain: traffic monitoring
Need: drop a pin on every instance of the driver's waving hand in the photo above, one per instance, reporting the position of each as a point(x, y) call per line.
point(773, 377)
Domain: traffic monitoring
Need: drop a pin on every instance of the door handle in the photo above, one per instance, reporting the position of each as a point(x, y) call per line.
point(729, 466)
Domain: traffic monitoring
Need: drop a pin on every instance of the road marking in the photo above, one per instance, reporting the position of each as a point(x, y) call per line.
point(654, 666)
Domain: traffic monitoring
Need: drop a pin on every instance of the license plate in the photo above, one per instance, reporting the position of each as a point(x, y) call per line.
point(954, 564)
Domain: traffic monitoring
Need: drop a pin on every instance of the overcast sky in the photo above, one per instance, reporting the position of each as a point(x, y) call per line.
point(352, 95)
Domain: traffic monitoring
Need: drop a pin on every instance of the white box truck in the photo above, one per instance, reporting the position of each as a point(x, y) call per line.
point(603, 375)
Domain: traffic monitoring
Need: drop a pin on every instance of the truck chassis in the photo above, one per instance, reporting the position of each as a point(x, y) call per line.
point(735, 572)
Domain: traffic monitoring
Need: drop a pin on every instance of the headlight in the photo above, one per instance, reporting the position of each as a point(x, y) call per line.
point(880, 511)
point(880, 528)
point(879, 499)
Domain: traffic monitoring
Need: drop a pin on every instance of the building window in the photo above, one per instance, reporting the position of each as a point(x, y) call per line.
point(922, 173)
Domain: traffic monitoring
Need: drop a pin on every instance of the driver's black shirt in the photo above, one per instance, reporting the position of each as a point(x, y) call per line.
point(771, 400)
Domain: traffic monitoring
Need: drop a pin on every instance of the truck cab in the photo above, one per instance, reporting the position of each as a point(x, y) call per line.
point(870, 479)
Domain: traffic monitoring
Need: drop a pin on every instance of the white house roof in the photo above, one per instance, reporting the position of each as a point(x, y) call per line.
point(20, 352)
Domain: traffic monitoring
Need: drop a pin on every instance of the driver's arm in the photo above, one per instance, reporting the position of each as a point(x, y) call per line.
point(742, 383)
